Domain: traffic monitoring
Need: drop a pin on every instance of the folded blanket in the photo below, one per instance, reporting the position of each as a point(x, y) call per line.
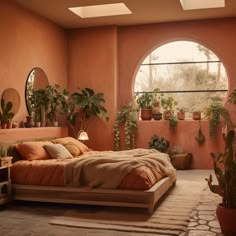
point(108, 169)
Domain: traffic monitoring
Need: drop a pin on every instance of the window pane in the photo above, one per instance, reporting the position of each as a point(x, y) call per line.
point(183, 66)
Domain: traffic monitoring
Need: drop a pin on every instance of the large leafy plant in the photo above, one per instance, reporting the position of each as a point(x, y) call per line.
point(90, 103)
point(225, 171)
point(146, 100)
point(126, 117)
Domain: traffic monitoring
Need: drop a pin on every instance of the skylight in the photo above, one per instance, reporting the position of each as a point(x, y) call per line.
point(201, 4)
point(101, 10)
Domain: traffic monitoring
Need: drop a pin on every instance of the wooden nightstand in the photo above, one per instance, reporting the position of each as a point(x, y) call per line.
point(5, 179)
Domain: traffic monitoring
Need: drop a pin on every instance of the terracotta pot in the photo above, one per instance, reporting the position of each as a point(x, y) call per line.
point(146, 114)
point(226, 218)
point(196, 115)
point(181, 115)
point(9, 124)
point(167, 114)
point(3, 125)
point(37, 124)
point(29, 118)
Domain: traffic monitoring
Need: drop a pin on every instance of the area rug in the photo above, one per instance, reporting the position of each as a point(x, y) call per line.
point(170, 217)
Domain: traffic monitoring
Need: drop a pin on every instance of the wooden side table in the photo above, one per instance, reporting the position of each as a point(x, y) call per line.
point(5, 180)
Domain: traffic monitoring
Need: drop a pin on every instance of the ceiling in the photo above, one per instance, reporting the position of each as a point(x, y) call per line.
point(144, 12)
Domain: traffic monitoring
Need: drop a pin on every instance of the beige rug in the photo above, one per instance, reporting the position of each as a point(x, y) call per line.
point(170, 217)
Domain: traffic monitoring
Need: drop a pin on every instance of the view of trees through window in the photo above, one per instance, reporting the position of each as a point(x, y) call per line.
point(189, 72)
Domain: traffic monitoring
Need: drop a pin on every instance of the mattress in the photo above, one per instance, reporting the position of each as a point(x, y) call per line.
point(52, 172)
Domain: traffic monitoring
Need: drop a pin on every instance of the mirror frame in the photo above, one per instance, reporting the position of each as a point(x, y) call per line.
point(26, 85)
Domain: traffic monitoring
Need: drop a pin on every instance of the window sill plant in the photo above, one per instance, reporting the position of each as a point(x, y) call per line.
point(145, 102)
point(168, 105)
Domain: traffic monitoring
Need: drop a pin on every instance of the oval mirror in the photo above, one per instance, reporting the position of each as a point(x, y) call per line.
point(36, 79)
point(12, 95)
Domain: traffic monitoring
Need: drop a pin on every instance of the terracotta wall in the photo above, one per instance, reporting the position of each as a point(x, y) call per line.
point(92, 63)
point(106, 59)
point(29, 41)
point(137, 41)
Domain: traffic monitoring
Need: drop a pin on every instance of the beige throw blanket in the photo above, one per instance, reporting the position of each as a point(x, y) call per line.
point(108, 169)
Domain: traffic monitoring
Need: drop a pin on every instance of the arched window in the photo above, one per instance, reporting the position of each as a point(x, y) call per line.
point(187, 71)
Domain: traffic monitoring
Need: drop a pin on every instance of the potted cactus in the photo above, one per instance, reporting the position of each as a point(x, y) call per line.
point(225, 171)
point(5, 113)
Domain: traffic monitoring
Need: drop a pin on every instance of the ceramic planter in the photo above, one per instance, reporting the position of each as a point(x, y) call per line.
point(146, 114)
point(227, 220)
point(157, 116)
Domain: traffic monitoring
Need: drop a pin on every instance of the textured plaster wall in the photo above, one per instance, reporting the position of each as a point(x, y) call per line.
point(135, 42)
point(107, 59)
point(29, 41)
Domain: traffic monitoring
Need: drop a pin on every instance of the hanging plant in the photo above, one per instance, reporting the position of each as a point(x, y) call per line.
point(215, 111)
point(126, 118)
point(201, 137)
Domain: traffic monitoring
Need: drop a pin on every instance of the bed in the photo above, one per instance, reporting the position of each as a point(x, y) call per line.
point(65, 170)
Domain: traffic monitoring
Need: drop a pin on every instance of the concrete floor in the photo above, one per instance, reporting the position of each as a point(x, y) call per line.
point(31, 219)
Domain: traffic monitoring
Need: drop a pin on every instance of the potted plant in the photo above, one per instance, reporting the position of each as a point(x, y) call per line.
point(83, 105)
point(196, 115)
point(126, 118)
point(40, 102)
point(159, 143)
point(168, 105)
point(225, 171)
point(145, 103)
point(215, 111)
point(57, 98)
point(181, 113)
point(5, 113)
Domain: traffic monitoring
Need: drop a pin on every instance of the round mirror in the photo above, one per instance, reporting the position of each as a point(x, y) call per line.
point(36, 79)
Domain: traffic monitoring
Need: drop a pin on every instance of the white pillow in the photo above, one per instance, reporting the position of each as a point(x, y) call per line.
point(57, 151)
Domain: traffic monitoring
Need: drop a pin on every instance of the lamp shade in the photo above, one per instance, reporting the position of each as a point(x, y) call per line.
point(83, 135)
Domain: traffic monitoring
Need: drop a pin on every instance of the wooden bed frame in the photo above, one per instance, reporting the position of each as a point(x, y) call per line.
point(90, 196)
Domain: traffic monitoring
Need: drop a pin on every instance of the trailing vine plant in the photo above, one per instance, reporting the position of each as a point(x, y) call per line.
point(215, 111)
point(126, 118)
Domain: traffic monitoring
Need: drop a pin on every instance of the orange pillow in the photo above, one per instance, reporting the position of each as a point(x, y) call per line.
point(74, 146)
point(33, 150)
